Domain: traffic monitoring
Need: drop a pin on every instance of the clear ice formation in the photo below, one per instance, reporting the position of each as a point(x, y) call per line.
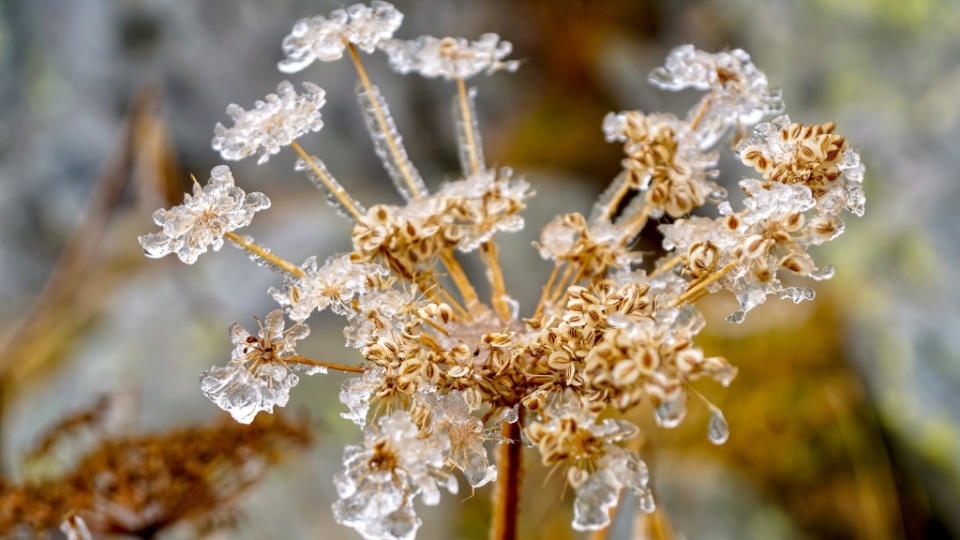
point(201, 221)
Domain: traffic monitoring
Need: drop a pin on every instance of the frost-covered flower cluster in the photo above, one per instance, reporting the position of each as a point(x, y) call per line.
point(446, 376)
point(213, 210)
point(273, 123)
point(450, 58)
point(260, 374)
point(325, 38)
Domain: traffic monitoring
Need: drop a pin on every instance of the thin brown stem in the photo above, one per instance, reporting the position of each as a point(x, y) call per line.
point(259, 251)
point(506, 503)
point(492, 258)
point(468, 125)
point(666, 266)
point(701, 112)
point(692, 291)
point(546, 290)
point(562, 284)
point(381, 119)
point(328, 365)
point(612, 206)
point(459, 278)
point(636, 224)
point(337, 190)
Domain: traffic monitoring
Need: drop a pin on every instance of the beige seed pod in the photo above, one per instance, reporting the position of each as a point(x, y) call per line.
point(625, 373)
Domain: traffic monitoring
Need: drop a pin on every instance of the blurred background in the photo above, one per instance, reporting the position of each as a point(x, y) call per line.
point(845, 419)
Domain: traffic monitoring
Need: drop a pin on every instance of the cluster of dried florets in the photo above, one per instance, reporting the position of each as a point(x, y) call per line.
point(448, 375)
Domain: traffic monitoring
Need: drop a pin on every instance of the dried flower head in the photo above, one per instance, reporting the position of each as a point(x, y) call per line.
point(445, 375)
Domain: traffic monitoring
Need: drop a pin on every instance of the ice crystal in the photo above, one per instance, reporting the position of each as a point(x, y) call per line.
point(450, 58)
point(453, 421)
point(273, 123)
point(201, 221)
point(356, 394)
point(380, 479)
point(331, 285)
point(258, 376)
point(616, 470)
point(325, 38)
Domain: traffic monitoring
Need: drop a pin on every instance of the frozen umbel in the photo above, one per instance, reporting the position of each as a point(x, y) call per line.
point(444, 376)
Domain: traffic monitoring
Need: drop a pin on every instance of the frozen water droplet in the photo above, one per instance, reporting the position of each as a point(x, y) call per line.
point(646, 502)
point(737, 317)
point(718, 430)
point(671, 413)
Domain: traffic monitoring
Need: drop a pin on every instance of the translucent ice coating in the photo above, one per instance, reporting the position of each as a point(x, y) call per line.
point(450, 58)
point(325, 38)
point(203, 218)
point(356, 394)
point(739, 92)
point(331, 285)
point(258, 376)
point(382, 477)
point(465, 432)
point(272, 124)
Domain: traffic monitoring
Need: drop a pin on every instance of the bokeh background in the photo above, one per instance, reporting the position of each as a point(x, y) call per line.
point(845, 419)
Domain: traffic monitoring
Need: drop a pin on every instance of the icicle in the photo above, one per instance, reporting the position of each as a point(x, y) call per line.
point(389, 145)
point(463, 136)
point(337, 197)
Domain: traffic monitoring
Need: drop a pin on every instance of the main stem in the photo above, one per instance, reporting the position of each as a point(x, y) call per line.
point(507, 493)
point(381, 119)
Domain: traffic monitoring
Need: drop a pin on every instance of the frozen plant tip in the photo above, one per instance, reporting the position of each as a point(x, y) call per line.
point(444, 375)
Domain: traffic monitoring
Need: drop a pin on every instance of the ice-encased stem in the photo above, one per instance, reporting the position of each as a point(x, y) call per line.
point(262, 255)
point(386, 139)
point(608, 201)
point(469, 145)
point(321, 177)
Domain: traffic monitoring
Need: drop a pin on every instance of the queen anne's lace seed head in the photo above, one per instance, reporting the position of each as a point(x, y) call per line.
point(443, 372)
point(450, 58)
point(380, 479)
point(259, 375)
point(325, 38)
point(203, 218)
point(272, 124)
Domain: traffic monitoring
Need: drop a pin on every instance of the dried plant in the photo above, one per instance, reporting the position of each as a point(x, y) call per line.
point(443, 375)
point(140, 485)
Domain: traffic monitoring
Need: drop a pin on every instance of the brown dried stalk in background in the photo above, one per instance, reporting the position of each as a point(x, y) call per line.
point(142, 484)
